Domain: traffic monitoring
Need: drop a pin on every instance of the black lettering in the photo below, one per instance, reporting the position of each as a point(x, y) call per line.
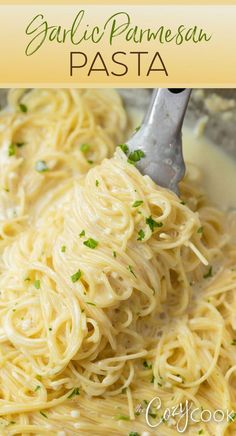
point(139, 59)
point(151, 69)
point(119, 63)
point(72, 66)
point(91, 69)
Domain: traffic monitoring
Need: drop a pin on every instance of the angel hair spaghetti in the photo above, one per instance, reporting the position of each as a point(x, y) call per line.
point(113, 290)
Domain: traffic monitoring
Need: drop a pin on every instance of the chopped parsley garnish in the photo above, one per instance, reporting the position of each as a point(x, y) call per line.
point(114, 253)
point(90, 161)
point(134, 433)
point(124, 148)
point(147, 365)
point(122, 417)
point(130, 268)
point(23, 107)
point(74, 393)
point(63, 248)
point(76, 276)
point(137, 203)
point(201, 431)
point(91, 243)
point(91, 304)
point(50, 329)
point(41, 166)
point(141, 235)
point(200, 229)
point(135, 156)
point(82, 233)
point(84, 148)
point(97, 182)
point(208, 274)
point(153, 379)
point(37, 388)
point(183, 202)
point(137, 128)
point(11, 150)
point(43, 414)
point(233, 342)
point(37, 284)
point(152, 223)
point(20, 144)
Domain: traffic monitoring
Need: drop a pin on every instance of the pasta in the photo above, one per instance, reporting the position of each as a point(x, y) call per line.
point(113, 290)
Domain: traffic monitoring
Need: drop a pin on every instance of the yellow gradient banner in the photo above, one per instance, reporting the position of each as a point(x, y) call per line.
point(118, 45)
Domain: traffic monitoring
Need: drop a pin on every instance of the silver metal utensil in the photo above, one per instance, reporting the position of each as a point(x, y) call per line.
point(160, 138)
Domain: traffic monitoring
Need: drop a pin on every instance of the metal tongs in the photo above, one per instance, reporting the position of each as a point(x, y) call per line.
point(160, 138)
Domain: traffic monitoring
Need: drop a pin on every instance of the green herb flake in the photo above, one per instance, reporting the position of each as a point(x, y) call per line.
point(147, 365)
point(183, 202)
point(90, 243)
point(75, 392)
point(91, 304)
point(152, 223)
point(122, 418)
point(233, 342)
point(114, 253)
point(137, 203)
point(124, 390)
point(84, 148)
point(208, 274)
point(130, 268)
point(153, 379)
point(37, 284)
point(141, 235)
point(63, 248)
point(135, 156)
point(23, 108)
point(11, 150)
point(20, 144)
point(90, 161)
point(12, 422)
point(82, 233)
point(76, 276)
point(97, 183)
point(137, 128)
point(50, 329)
point(41, 166)
point(43, 414)
point(201, 431)
point(134, 433)
point(200, 229)
point(37, 388)
point(124, 148)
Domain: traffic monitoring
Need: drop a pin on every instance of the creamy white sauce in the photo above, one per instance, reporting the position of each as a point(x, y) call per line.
point(219, 169)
